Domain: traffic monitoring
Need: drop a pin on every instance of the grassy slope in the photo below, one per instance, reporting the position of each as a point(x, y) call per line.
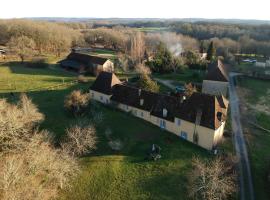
point(107, 174)
point(260, 146)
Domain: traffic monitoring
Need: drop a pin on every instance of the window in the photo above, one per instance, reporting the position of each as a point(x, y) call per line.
point(107, 101)
point(126, 107)
point(162, 124)
point(141, 114)
point(135, 112)
point(178, 122)
point(101, 98)
point(183, 135)
point(93, 94)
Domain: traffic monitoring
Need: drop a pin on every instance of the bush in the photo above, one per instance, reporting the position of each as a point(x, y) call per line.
point(76, 102)
point(80, 140)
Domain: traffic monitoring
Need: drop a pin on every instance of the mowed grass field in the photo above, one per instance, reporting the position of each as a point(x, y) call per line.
point(106, 174)
point(258, 97)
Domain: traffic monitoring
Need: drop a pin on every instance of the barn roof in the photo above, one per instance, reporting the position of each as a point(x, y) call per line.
point(217, 71)
point(71, 63)
point(86, 59)
point(105, 82)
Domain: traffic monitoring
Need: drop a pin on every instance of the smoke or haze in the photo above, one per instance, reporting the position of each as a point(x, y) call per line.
point(173, 43)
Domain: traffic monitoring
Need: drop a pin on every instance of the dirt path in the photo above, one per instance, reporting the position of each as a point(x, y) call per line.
point(246, 184)
point(165, 82)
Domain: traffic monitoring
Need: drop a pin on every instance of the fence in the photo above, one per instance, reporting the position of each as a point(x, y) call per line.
point(58, 86)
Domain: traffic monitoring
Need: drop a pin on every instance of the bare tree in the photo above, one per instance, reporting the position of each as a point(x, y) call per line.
point(80, 140)
point(211, 180)
point(37, 172)
point(23, 46)
point(137, 47)
point(17, 123)
point(76, 101)
point(142, 69)
point(189, 89)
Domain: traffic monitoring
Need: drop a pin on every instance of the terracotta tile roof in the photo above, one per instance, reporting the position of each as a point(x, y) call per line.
point(217, 71)
point(105, 82)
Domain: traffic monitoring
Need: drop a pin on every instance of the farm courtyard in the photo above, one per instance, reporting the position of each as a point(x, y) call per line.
point(106, 174)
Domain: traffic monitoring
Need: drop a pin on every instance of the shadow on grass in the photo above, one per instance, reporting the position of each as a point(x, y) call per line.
point(23, 68)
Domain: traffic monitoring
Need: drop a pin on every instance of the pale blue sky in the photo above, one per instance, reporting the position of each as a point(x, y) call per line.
point(241, 9)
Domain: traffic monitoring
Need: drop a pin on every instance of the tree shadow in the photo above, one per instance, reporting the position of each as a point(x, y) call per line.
point(17, 67)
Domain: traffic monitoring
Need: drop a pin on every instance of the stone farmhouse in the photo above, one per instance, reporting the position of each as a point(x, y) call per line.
point(217, 79)
point(84, 63)
point(199, 119)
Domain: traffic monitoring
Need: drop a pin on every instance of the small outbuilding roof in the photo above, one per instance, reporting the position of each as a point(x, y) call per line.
point(105, 82)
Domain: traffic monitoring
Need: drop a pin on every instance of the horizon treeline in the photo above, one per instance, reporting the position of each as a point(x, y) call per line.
point(179, 37)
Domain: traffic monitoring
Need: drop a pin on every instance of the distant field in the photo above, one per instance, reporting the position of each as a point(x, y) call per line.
point(258, 99)
point(153, 29)
point(107, 174)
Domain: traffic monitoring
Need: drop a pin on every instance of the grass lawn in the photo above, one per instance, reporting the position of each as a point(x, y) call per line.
point(107, 174)
point(259, 146)
point(180, 78)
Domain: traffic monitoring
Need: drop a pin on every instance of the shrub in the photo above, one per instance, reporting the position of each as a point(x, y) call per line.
point(76, 102)
point(80, 140)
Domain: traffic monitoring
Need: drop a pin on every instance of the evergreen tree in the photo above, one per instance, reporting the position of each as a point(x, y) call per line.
point(163, 60)
point(202, 47)
point(146, 83)
point(211, 52)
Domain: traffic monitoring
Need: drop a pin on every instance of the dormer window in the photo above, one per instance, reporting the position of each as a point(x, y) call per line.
point(141, 102)
point(219, 116)
point(164, 112)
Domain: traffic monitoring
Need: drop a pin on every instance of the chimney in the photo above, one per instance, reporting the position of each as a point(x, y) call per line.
point(140, 91)
point(183, 99)
point(198, 117)
point(141, 102)
point(165, 112)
